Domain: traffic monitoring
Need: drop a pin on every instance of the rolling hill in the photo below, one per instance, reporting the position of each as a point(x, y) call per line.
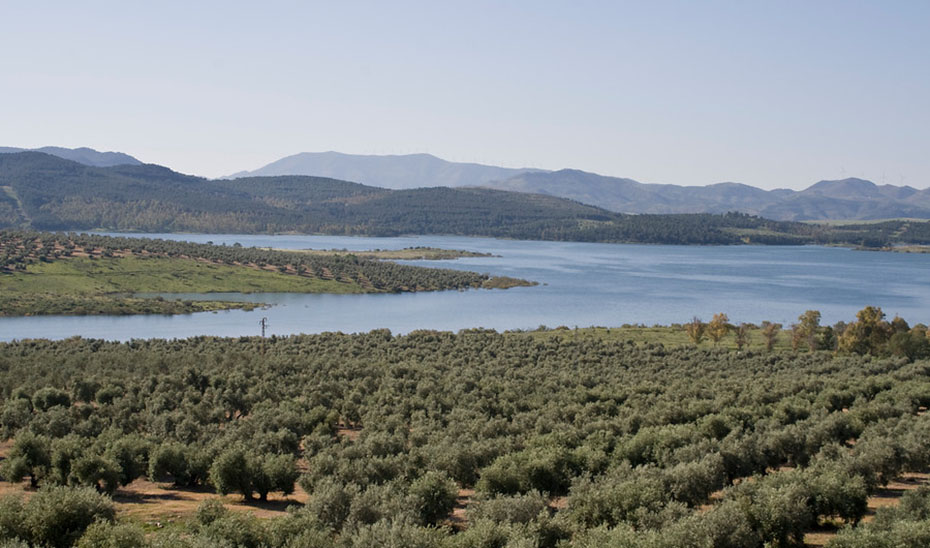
point(44, 192)
point(49, 193)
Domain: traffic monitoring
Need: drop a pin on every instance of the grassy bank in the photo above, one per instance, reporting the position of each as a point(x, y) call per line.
point(666, 335)
point(45, 273)
point(87, 276)
point(84, 285)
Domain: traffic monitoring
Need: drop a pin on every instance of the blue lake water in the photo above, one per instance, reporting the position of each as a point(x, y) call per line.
point(580, 285)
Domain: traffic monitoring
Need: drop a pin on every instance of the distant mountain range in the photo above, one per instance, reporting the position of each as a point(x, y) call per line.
point(394, 172)
point(41, 191)
point(83, 155)
point(45, 192)
point(848, 199)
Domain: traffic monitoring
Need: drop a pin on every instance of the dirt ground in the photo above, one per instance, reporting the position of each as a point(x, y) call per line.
point(159, 504)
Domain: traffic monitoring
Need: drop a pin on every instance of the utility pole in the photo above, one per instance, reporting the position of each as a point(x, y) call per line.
point(264, 324)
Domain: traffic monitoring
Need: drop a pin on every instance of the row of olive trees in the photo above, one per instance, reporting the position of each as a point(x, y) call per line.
point(107, 464)
point(20, 248)
point(635, 436)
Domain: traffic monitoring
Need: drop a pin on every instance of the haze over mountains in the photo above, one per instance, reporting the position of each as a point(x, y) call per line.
point(41, 191)
point(394, 172)
point(83, 155)
point(848, 199)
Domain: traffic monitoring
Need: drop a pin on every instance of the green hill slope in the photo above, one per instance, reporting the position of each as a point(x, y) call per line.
point(48, 193)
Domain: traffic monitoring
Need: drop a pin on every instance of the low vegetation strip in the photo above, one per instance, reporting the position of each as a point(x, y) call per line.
point(42, 304)
point(70, 273)
point(558, 438)
point(406, 254)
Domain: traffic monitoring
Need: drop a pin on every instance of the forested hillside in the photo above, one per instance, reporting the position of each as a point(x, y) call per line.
point(82, 155)
point(462, 440)
point(59, 195)
point(44, 192)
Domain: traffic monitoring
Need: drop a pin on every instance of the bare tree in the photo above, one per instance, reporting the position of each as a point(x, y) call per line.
point(770, 332)
point(742, 335)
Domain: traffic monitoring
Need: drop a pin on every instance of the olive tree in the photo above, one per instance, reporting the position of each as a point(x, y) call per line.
point(29, 456)
point(434, 494)
point(235, 470)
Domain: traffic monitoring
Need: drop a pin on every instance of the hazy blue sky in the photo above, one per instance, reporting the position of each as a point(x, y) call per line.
point(776, 94)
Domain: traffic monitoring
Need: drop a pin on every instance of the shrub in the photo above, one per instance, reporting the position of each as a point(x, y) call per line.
point(58, 516)
point(96, 471)
point(29, 456)
point(103, 534)
point(48, 397)
point(238, 530)
point(331, 503)
point(11, 517)
point(546, 469)
point(211, 510)
point(508, 509)
point(434, 496)
point(394, 533)
point(16, 414)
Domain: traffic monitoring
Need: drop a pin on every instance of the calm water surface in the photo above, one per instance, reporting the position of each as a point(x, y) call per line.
point(580, 285)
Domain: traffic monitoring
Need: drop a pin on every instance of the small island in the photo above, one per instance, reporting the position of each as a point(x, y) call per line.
point(78, 274)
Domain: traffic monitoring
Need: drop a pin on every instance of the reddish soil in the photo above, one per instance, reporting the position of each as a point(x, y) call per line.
point(458, 519)
point(348, 432)
point(160, 503)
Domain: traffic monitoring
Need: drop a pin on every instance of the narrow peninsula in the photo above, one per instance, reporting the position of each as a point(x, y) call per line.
point(75, 274)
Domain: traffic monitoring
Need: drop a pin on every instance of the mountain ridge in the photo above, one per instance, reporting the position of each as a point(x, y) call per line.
point(395, 171)
point(846, 199)
point(81, 155)
point(41, 191)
